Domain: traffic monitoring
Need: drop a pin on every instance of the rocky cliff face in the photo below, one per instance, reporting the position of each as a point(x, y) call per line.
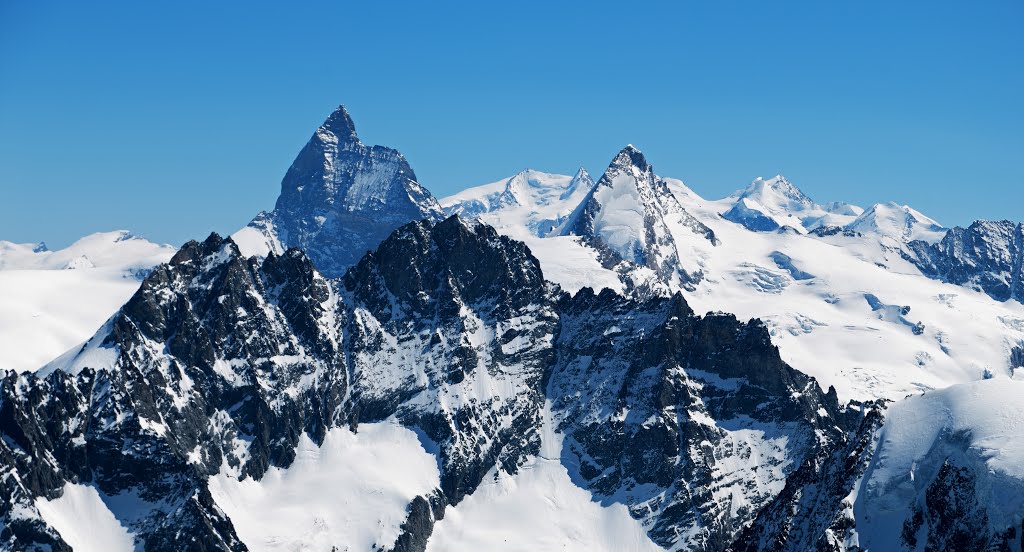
point(341, 198)
point(986, 256)
point(692, 422)
point(220, 363)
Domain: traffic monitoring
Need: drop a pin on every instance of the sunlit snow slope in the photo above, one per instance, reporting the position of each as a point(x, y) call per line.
point(53, 300)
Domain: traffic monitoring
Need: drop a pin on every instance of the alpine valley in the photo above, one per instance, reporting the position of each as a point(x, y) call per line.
point(546, 362)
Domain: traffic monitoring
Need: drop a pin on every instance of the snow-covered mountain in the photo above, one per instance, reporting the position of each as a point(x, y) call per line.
point(203, 390)
point(823, 294)
point(539, 199)
point(54, 300)
point(351, 371)
point(769, 205)
point(949, 471)
point(440, 384)
point(631, 219)
point(896, 223)
point(339, 199)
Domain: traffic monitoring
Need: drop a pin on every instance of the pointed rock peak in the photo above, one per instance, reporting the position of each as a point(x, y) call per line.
point(629, 156)
point(340, 125)
point(581, 173)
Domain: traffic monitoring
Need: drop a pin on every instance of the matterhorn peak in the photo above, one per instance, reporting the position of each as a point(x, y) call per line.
point(340, 198)
point(339, 124)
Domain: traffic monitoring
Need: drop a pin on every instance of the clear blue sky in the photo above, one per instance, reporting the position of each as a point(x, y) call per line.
point(173, 119)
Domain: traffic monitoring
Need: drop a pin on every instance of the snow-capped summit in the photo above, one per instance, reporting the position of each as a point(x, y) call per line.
point(779, 193)
point(581, 180)
point(631, 215)
point(897, 222)
point(775, 203)
point(339, 199)
point(532, 199)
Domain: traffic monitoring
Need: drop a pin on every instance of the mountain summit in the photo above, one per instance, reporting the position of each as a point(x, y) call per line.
point(629, 216)
point(767, 205)
point(339, 199)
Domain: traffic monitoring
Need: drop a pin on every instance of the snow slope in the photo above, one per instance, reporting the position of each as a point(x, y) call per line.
point(84, 521)
point(974, 427)
point(897, 223)
point(540, 199)
point(352, 492)
point(539, 508)
point(827, 325)
point(53, 300)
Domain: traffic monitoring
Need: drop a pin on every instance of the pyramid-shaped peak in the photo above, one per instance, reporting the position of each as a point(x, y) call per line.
point(581, 175)
point(340, 124)
point(629, 156)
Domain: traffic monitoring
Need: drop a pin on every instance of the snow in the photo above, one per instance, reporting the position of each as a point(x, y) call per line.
point(977, 425)
point(539, 508)
point(117, 249)
point(825, 327)
point(811, 291)
point(620, 221)
point(766, 205)
point(53, 300)
point(989, 411)
point(572, 265)
point(898, 223)
point(92, 354)
point(351, 492)
point(534, 200)
point(83, 520)
point(254, 243)
point(542, 202)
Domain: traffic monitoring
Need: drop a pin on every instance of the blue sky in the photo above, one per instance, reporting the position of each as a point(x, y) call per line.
point(176, 119)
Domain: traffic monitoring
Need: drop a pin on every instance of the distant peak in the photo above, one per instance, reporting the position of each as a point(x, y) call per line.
point(581, 174)
point(760, 188)
point(630, 156)
point(340, 124)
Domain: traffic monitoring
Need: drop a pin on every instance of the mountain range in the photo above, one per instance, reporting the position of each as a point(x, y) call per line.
point(547, 361)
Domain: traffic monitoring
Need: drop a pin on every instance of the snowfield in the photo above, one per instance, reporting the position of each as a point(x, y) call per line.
point(53, 300)
point(350, 492)
point(84, 521)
